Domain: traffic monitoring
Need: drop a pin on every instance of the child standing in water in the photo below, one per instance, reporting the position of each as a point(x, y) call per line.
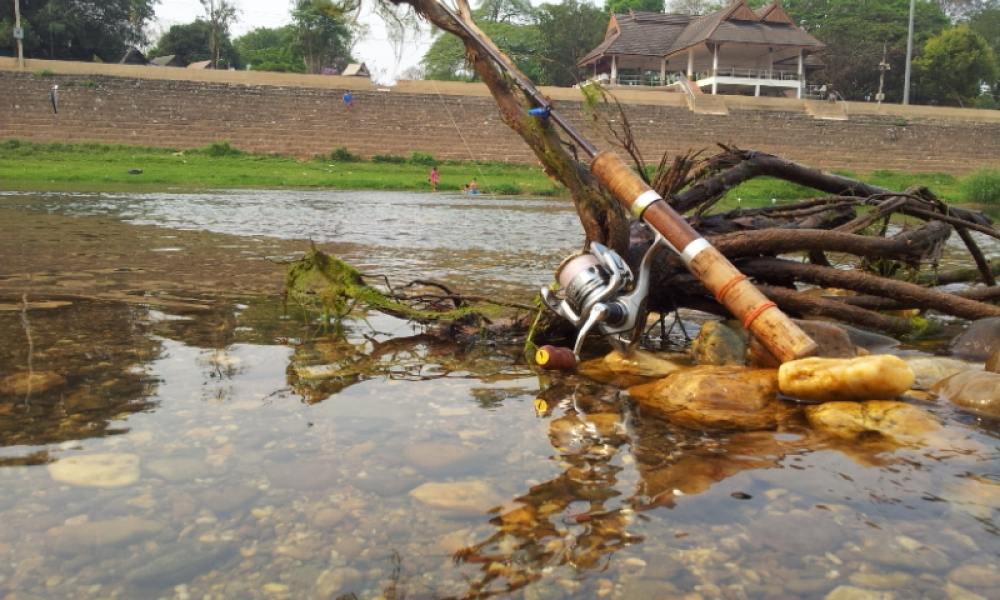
point(434, 178)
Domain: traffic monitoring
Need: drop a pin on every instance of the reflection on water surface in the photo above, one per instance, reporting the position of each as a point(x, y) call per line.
point(240, 452)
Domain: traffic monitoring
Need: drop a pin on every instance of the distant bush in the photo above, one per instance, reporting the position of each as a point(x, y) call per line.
point(44, 73)
point(982, 187)
point(342, 154)
point(389, 158)
point(422, 158)
point(218, 149)
point(11, 144)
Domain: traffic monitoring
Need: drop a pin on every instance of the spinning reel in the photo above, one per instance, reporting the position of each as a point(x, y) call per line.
point(598, 289)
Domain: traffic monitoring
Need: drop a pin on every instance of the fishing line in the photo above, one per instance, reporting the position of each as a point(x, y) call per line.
point(458, 130)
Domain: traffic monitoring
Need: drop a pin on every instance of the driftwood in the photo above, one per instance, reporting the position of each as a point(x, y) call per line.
point(886, 263)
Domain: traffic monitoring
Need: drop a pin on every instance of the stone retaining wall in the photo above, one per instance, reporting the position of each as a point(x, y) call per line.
point(304, 116)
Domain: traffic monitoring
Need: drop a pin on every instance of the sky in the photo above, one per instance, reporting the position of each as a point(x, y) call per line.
point(375, 50)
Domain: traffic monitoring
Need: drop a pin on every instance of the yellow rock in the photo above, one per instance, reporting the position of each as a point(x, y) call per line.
point(715, 397)
point(642, 363)
point(861, 378)
point(898, 421)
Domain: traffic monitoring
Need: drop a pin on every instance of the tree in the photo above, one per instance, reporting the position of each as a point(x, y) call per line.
point(694, 7)
point(514, 32)
point(567, 31)
point(191, 43)
point(271, 49)
point(854, 34)
point(220, 14)
point(954, 65)
point(77, 29)
point(321, 37)
point(445, 59)
point(615, 7)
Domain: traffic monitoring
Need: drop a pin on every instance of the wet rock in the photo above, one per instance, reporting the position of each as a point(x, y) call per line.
point(227, 499)
point(303, 475)
point(993, 362)
point(957, 592)
point(334, 583)
point(86, 536)
point(861, 378)
point(870, 342)
point(848, 592)
point(976, 391)
point(643, 364)
point(385, 482)
point(974, 495)
point(180, 565)
point(715, 398)
point(898, 421)
point(976, 576)
point(328, 517)
point(831, 339)
point(928, 370)
point(902, 552)
point(795, 534)
point(881, 581)
point(472, 497)
point(440, 457)
point(720, 343)
point(179, 469)
point(96, 470)
point(35, 382)
point(981, 339)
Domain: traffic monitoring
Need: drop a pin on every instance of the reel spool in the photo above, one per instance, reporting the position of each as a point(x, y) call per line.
point(599, 290)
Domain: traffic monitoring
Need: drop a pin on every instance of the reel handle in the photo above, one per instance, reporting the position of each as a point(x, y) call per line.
point(555, 358)
point(782, 337)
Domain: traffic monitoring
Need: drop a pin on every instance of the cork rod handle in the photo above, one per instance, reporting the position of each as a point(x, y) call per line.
point(785, 340)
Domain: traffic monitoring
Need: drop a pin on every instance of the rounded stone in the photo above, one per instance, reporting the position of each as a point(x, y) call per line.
point(976, 391)
point(96, 470)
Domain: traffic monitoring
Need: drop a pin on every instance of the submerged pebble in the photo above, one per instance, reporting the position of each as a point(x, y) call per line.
point(102, 470)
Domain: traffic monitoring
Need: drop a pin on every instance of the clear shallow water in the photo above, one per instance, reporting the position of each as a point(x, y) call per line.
point(514, 240)
point(251, 480)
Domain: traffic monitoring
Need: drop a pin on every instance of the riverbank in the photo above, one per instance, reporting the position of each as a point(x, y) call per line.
point(27, 166)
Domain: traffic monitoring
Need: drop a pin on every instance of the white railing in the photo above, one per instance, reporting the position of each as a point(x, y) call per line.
point(750, 73)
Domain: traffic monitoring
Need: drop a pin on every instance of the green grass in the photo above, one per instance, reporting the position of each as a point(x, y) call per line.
point(760, 191)
point(104, 167)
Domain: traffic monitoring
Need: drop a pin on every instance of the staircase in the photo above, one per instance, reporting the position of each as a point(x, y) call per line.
point(827, 110)
point(699, 102)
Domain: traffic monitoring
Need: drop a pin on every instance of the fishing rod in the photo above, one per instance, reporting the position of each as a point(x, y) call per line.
point(599, 289)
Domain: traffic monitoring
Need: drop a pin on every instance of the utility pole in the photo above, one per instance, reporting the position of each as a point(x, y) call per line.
point(909, 55)
point(882, 67)
point(18, 34)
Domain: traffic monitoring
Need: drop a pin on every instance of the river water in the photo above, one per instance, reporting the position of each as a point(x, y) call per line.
point(216, 467)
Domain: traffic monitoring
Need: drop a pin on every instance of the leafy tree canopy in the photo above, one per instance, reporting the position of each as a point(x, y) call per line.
point(854, 33)
point(271, 49)
point(191, 42)
point(567, 31)
point(445, 59)
point(954, 65)
point(321, 37)
point(614, 7)
point(77, 29)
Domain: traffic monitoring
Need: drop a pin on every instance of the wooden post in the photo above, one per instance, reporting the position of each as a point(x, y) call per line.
point(690, 63)
point(802, 73)
point(614, 70)
point(715, 70)
point(663, 70)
